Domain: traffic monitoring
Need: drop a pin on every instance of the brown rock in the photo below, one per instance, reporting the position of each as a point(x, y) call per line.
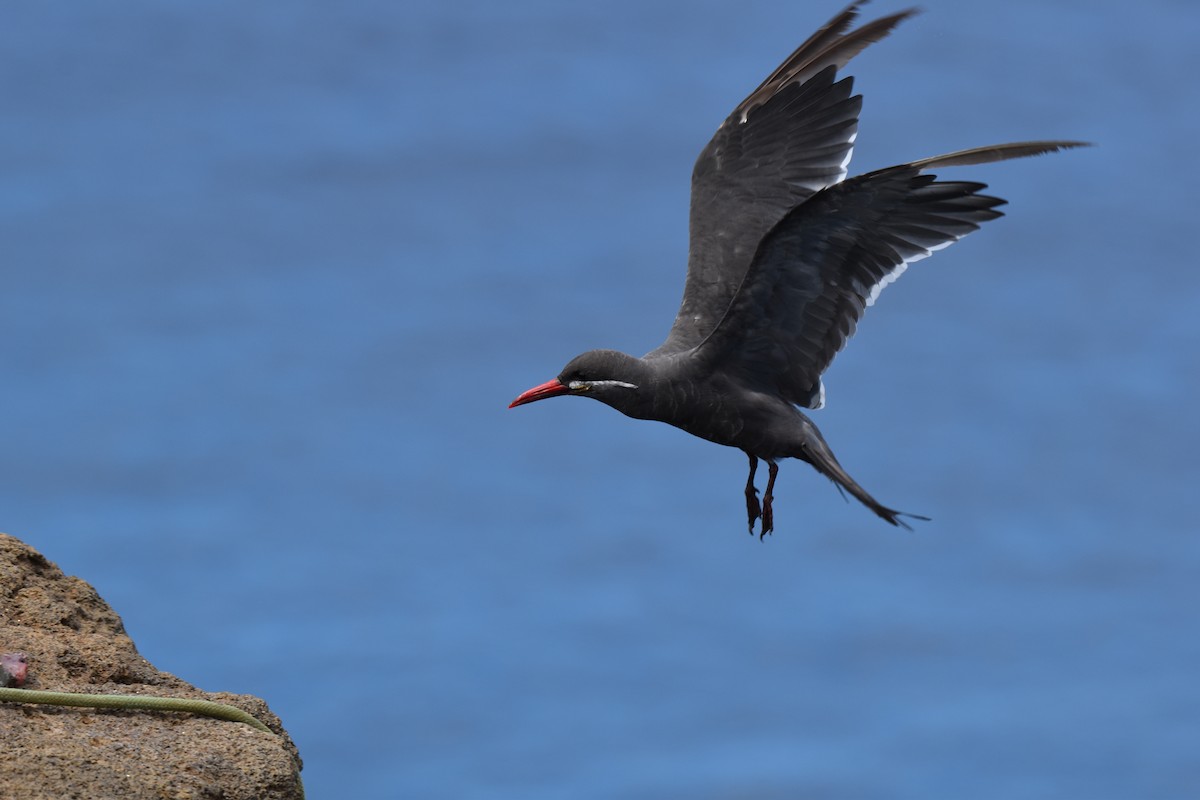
point(77, 643)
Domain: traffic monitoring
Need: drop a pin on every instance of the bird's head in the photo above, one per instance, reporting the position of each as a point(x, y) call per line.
point(613, 378)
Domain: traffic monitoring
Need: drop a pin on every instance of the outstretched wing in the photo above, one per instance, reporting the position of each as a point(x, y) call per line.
point(790, 138)
point(818, 270)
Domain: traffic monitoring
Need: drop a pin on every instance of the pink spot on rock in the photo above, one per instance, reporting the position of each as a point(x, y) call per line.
point(13, 668)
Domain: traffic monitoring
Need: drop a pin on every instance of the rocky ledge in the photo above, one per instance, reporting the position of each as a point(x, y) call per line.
point(74, 642)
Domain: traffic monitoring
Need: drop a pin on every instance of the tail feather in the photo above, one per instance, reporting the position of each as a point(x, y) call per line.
point(816, 452)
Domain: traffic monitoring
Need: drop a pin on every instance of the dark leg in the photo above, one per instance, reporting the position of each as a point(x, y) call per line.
point(752, 509)
point(768, 518)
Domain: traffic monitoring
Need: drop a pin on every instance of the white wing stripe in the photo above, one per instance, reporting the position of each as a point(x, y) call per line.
point(898, 270)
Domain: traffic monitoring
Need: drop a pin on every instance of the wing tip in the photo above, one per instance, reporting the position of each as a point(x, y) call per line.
point(990, 153)
point(833, 45)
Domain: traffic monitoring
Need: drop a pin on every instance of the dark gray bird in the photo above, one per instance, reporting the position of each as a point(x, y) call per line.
point(785, 257)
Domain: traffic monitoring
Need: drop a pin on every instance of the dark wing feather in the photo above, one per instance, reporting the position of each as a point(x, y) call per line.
point(818, 270)
point(790, 138)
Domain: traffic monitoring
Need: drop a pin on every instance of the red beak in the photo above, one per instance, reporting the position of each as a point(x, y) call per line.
point(551, 388)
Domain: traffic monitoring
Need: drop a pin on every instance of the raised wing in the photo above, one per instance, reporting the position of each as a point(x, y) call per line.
point(790, 138)
point(818, 270)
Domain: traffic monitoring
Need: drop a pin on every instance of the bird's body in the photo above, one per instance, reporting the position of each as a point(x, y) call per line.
point(711, 405)
point(785, 257)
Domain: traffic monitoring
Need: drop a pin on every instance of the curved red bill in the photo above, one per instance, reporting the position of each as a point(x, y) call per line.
point(551, 388)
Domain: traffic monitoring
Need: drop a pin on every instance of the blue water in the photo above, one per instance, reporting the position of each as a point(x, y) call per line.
point(271, 277)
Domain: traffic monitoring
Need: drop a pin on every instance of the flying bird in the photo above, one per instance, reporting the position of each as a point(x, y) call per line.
point(785, 256)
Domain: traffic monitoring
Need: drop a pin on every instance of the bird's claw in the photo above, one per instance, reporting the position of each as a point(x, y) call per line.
point(753, 510)
point(768, 517)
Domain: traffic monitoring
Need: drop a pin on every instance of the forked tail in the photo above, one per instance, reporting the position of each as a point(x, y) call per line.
point(816, 452)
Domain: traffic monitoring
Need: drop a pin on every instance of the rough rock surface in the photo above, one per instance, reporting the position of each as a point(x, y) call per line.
point(77, 643)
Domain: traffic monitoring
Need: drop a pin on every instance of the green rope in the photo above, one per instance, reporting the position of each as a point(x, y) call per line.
point(132, 701)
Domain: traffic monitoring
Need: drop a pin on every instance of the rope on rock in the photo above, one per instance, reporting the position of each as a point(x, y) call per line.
point(206, 708)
